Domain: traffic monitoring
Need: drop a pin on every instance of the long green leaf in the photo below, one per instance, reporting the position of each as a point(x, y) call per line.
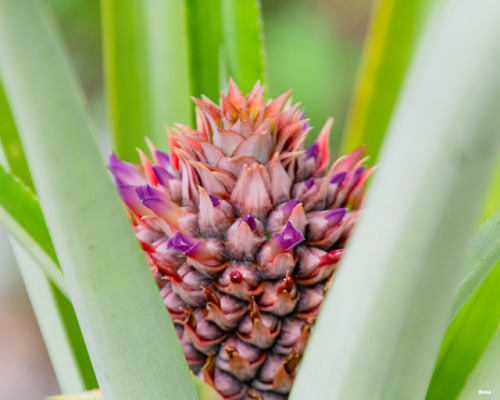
point(21, 216)
point(394, 29)
point(129, 335)
point(204, 46)
point(493, 199)
point(9, 140)
point(475, 313)
point(57, 321)
point(379, 332)
point(54, 313)
point(466, 339)
point(483, 381)
point(243, 42)
point(146, 69)
point(482, 255)
point(204, 391)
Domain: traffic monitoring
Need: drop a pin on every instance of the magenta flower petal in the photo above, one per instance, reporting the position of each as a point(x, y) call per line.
point(129, 197)
point(335, 216)
point(289, 206)
point(124, 172)
point(288, 239)
point(181, 243)
point(338, 178)
point(357, 174)
point(162, 175)
point(250, 221)
point(309, 183)
point(146, 191)
point(155, 204)
point(215, 200)
point(163, 158)
point(312, 151)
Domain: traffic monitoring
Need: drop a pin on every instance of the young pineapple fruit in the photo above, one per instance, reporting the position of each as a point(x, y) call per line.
point(243, 229)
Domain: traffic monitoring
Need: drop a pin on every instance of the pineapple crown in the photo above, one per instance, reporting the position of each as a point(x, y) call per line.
point(243, 228)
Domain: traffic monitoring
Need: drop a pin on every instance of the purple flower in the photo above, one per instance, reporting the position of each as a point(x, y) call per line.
point(288, 239)
point(312, 151)
point(182, 243)
point(124, 172)
point(289, 206)
point(215, 200)
point(339, 178)
point(335, 216)
point(250, 221)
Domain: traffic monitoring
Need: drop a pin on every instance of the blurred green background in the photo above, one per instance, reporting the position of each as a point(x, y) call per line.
point(312, 47)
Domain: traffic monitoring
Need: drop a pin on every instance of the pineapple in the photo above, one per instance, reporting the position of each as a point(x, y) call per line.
point(243, 228)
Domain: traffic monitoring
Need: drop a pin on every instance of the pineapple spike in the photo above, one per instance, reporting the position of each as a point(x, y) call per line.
point(243, 228)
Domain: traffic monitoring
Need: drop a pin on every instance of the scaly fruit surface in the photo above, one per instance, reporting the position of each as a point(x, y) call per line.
point(243, 228)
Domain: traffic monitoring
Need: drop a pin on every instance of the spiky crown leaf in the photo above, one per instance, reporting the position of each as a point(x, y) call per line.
point(243, 228)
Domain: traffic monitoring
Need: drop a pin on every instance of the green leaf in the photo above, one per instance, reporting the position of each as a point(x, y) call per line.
point(54, 312)
point(493, 199)
point(380, 328)
point(485, 375)
point(394, 29)
point(475, 313)
point(129, 335)
point(146, 71)
point(466, 339)
point(482, 254)
point(59, 326)
point(9, 140)
point(91, 395)
point(204, 45)
point(21, 216)
point(243, 42)
point(205, 392)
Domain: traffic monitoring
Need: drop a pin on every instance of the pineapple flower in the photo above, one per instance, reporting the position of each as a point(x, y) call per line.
point(243, 228)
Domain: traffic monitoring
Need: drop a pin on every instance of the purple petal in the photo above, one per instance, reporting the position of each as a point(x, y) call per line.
point(303, 117)
point(181, 243)
point(289, 206)
point(357, 174)
point(250, 221)
point(163, 158)
point(124, 172)
point(309, 183)
point(215, 200)
point(129, 197)
point(288, 239)
point(162, 175)
point(156, 204)
point(312, 151)
point(146, 191)
point(339, 178)
point(335, 216)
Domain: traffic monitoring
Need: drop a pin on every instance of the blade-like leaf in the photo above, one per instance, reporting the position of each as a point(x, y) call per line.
point(243, 42)
point(466, 339)
point(493, 199)
point(390, 44)
point(9, 140)
point(204, 391)
point(483, 381)
point(57, 321)
point(379, 332)
point(129, 335)
point(475, 313)
point(146, 69)
point(482, 255)
point(204, 44)
point(54, 312)
point(21, 216)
